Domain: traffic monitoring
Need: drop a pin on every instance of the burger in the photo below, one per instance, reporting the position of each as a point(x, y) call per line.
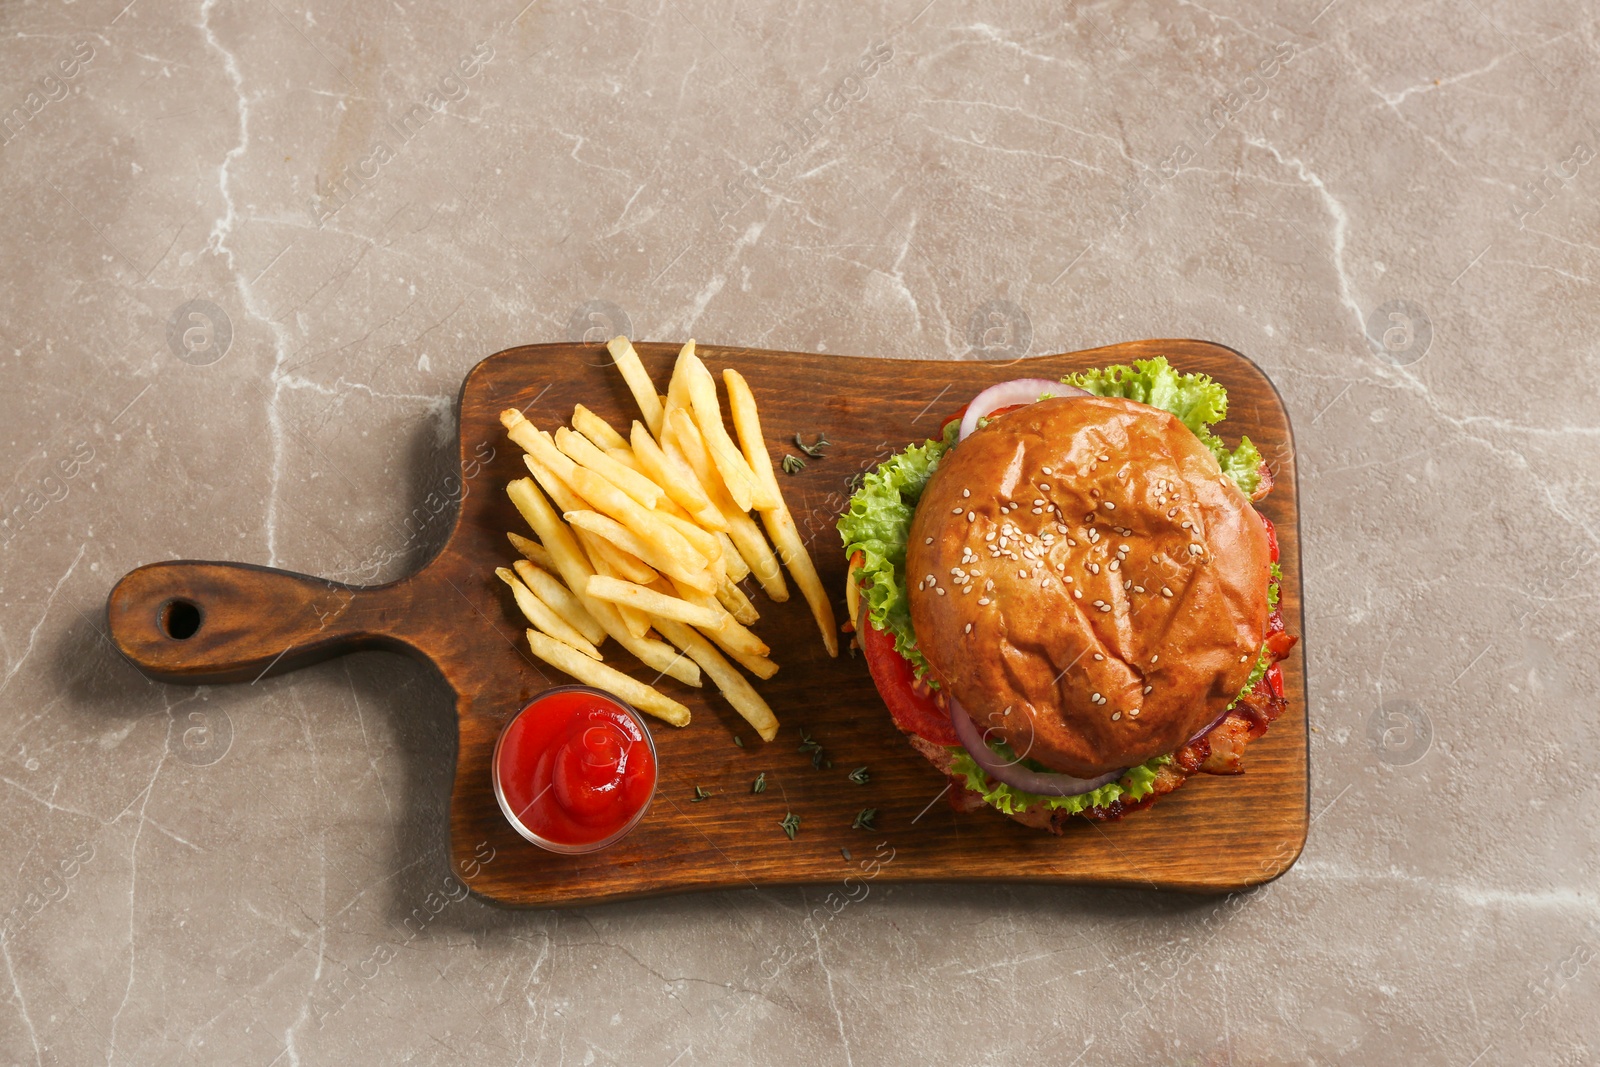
point(1067, 600)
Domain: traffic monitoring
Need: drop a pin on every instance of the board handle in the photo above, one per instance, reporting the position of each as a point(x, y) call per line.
point(209, 623)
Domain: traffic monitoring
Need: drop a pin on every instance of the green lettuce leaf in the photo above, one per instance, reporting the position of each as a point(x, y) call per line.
point(1195, 399)
point(876, 524)
point(1134, 785)
point(1263, 660)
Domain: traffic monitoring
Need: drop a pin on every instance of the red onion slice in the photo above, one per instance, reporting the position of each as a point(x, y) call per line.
point(1214, 724)
point(1006, 394)
point(1015, 774)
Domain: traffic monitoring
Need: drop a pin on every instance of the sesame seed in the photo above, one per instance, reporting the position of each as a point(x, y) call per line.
point(1115, 715)
point(1047, 470)
point(1022, 574)
point(987, 537)
point(1195, 550)
point(1105, 459)
point(1133, 713)
point(1187, 524)
point(1043, 487)
point(939, 589)
point(983, 600)
point(1114, 564)
point(1094, 493)
point(1097, 698)
point(1007, 711)
point(1147, 689)
point(1110, 506)
point(1094, 568)
point(1103, 607)
point(968, 629)
point(1155, 657)
point(1038, 503)
point(1171, 513)
point(956, 510)
point(1138, 589)
point(1243, 658)
point(1098, 657)
point(971, 517)
point(927, 540)
point(966, 492)
point(989, 585)
point(1077, 594)
point(1165, 591)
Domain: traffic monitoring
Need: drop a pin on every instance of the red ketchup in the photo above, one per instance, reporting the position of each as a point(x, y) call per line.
point(575, 770)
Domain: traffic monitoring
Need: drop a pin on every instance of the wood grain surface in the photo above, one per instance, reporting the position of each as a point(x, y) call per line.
point(1213, 835)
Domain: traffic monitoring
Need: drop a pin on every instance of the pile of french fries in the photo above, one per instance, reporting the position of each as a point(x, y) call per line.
point(643, 539)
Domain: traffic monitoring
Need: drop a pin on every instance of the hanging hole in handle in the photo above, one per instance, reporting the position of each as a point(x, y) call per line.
point(180, 619)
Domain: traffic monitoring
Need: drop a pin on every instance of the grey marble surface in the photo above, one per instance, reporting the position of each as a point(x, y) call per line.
point(367, 199)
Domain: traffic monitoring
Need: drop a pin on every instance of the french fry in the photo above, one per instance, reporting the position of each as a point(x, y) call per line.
point(675, 477)
point(596, 429)
point(731, 597)
point(703, 542)
point(518, 428)
point(656, 604)
point(531, 550)
point(852, 597)
point(549, 589)
point(736, 475)
point(738, 569)
point(666, 505)
point(618, 560)
point(739, 692)
point(587, 671)
point(576, 570)
point(747, 424)
point(678, 384)
point(729, 632)
point(636, 622)
point(638, 380)
point(792, 551)
point(628, 541)
point(580, 449)
point(543, 616)
point(685, 437)
point(559, 491)
point(671, 548)
point(676, 556)
point(777, 519)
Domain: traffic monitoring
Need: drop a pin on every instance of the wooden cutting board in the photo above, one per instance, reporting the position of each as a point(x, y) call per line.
point(1214, 834)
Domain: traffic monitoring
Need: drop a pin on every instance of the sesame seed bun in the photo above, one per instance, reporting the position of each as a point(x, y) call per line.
point(1085, 580)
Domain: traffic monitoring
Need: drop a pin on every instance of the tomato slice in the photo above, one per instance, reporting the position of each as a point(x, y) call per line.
point(914, 707)
point(1272, 537)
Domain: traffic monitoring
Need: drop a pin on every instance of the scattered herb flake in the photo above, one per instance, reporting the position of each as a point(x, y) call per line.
point(738, 740)
point(859, 776)
point(699, 795)
point(793, 464)
point(845, 853)
point(790, 824)
point(864, 819)
point(813, 747)
point(760, 784)
point(814, 450)
point(856, 481)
